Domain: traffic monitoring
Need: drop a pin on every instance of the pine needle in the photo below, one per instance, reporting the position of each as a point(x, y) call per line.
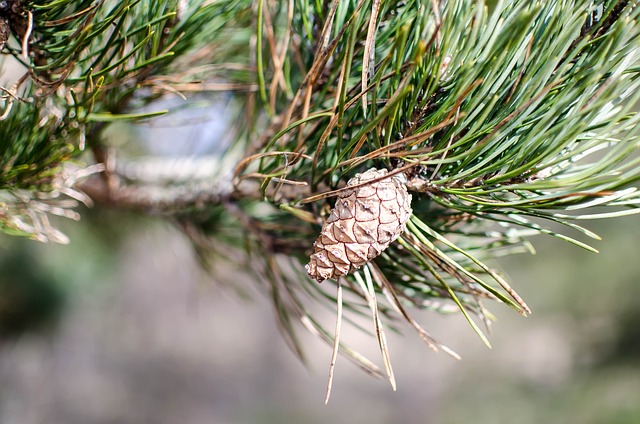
point(370, 293)
point(336, 341)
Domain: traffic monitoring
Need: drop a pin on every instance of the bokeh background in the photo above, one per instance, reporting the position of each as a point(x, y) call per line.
point(123, 326)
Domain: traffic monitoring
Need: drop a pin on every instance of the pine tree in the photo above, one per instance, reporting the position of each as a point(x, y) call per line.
point(487, 123)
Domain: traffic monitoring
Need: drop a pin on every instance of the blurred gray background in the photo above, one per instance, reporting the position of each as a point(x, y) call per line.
point(123, 326)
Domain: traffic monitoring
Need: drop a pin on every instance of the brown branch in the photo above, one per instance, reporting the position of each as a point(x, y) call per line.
point(150, 199)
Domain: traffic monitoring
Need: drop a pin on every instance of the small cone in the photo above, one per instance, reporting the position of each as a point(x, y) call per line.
point(364, 221)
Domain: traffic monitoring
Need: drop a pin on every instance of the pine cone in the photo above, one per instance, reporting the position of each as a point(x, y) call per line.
point(364, 221)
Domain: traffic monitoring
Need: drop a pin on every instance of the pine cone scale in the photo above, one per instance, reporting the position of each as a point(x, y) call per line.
point(364, 221)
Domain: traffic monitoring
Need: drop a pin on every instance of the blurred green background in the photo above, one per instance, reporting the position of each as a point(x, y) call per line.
point(123, 326)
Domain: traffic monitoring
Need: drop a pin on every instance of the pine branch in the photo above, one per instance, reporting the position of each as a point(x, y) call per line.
point(492, 117)
point(499, 120)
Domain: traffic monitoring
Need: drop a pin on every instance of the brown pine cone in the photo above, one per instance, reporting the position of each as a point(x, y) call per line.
point(364, 221)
